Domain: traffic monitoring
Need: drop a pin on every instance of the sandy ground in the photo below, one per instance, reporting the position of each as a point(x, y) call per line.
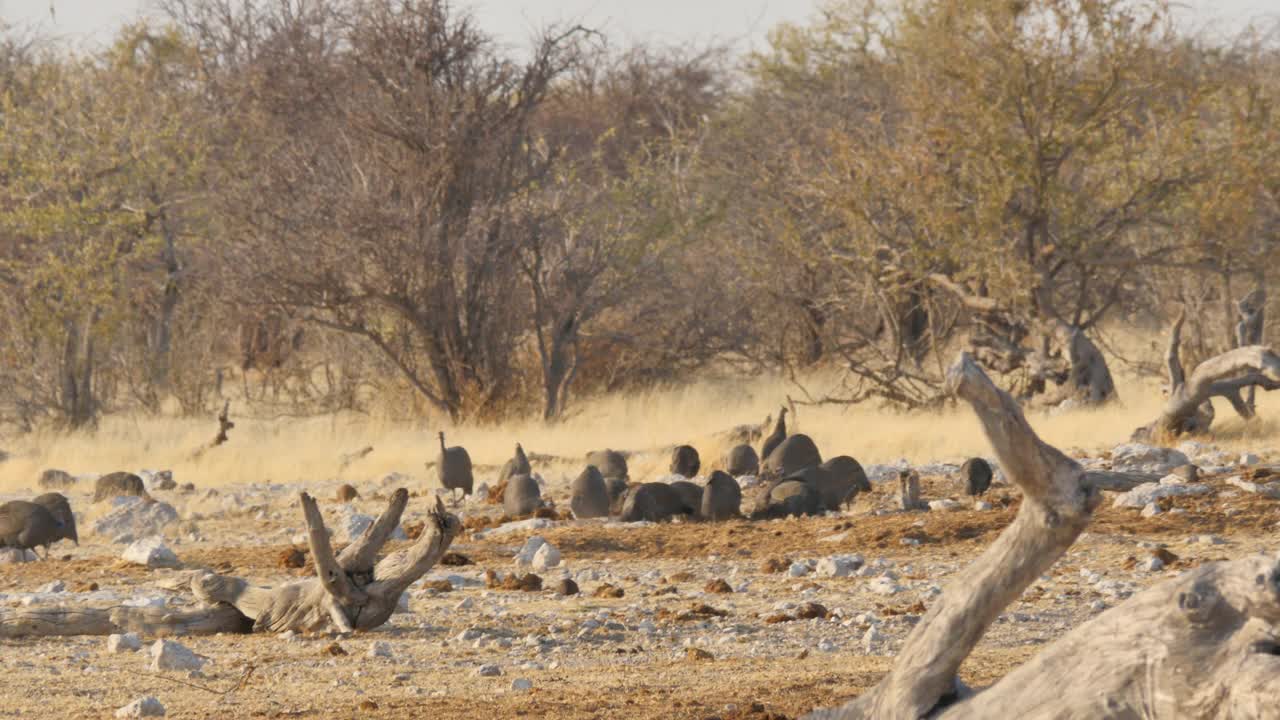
point(592, 657)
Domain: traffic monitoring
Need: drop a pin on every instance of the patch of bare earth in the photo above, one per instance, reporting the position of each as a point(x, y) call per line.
point(603, 657)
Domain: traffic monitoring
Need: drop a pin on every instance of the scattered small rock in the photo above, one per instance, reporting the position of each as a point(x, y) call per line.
point(810, 611)
point(524, 583)
point(775, 565)
point(379, 649)
point(1137, 457)
point(151, 552)
point(567, 587)
point(13, 556)
point(135, 517)
point(718, 586)
point(530, 549)
point(172, 655)
point(546, 557)
point(142, 707)
point(1271, 490)
point(121, 643)
point(333, 649)
point(1146, 493)
point(521, 685)
point(698, 655)
point(608, 591)
point(440, 586)
point(871, 638)
point(884, 585)
point(489, 671)
point(838, 565)
point(346, 493)
point(454, 559)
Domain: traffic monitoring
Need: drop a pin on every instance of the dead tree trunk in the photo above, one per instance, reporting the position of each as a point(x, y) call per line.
point(1252, 311)
point(1056, 507)
point(1189, 410)
point(146, 621)
point(351, 591)
point(1198, 646)
point(77, 398)
point(909, 490)
point(162, 333)
point(1088, 382)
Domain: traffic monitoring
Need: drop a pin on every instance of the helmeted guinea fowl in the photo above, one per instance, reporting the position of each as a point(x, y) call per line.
point(26, 525)
point(685, 461)
point(58, 506)
point(517, 465)
point(454, 468)
point(742, 460)
point(976, 474)
point(776, 437)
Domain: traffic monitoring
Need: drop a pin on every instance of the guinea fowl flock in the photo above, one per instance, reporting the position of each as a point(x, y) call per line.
point(787, 476)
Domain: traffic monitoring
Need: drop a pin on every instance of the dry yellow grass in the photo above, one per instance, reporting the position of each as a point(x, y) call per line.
point(308, 449)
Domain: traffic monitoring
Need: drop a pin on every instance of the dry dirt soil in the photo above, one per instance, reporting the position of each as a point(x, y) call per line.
point(671, 647)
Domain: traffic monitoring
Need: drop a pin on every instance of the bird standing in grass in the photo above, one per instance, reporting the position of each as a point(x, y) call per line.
point(454, 468)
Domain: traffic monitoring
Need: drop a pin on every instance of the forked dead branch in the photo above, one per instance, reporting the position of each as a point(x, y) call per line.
point(1189, 409)
point(351, 591)
point(1202, 645)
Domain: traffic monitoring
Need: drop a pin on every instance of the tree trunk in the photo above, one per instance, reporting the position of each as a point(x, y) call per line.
point(78, 405)
point(1088, 382)
point(815, 322)
point(1252, 311)
point(162, 334)
point(1198, 646)
point(559, 366)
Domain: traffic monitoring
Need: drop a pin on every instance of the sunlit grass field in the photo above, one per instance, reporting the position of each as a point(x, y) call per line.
point(292, 450)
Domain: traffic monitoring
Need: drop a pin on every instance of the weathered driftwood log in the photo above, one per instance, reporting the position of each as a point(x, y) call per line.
point(1057, 503)
point(1199, 646)
point(909, 490)
point(1189, 410)
point(146, 621)
point(351, 591)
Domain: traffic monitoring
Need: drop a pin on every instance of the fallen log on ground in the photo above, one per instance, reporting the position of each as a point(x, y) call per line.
point(1202, 645)
point(1189, 409)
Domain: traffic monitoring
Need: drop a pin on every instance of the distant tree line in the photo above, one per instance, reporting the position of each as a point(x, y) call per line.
point(321, 205)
